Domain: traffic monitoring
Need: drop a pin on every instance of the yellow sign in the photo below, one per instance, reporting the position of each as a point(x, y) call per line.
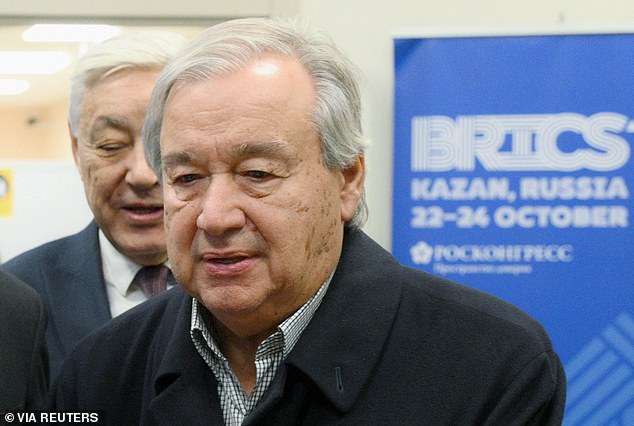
point(6, 193)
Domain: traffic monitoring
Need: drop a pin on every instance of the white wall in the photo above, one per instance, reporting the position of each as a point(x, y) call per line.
point(364, 28)
point(126, 8)
point(48, 203)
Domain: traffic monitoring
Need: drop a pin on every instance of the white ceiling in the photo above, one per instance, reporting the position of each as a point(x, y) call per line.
point(47, 89)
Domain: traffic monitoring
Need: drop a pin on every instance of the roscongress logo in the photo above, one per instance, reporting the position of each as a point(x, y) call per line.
point(423, 254)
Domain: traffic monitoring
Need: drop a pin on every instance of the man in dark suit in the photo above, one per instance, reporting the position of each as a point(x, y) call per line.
point(288, 313)
point(87, 278)
point(23, 356)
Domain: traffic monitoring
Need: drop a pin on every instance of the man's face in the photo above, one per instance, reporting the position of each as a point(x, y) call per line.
point(122, 191)
point(254, 219)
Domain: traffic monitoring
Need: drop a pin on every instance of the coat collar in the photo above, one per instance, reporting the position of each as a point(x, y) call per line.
point(178, 351)
point(185, 388)
point(344, 340)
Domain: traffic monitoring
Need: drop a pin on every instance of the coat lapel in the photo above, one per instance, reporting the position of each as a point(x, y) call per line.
point(344, 340)
point(78, 289)
point(185, 388)
point(190, 399)
point(349, 330)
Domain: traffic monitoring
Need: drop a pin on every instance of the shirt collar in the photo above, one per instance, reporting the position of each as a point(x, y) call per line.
point(290, 329)
point(118, 270)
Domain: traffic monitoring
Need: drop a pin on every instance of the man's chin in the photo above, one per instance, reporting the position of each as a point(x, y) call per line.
point(145, 253)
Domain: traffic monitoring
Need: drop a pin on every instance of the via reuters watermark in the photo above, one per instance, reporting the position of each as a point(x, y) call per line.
point(46, 417)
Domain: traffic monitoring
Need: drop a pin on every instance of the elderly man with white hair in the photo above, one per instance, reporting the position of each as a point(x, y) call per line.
point(88, 278)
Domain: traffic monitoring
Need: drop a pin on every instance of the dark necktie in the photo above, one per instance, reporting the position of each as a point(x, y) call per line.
point(152, 279)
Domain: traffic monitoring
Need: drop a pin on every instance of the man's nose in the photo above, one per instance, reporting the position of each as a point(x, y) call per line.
point(221, 210)
point(139, 174)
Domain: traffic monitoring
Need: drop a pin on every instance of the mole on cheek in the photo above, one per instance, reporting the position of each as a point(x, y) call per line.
point(302, 208)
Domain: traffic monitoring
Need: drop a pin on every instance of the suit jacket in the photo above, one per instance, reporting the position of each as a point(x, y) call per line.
point(388, 346)
point(23, 357)
point(68, 276)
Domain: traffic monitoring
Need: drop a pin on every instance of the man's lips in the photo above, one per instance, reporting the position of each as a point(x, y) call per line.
point(144, 210)
point(227, 264)
point(227, 260)
point(143, 213)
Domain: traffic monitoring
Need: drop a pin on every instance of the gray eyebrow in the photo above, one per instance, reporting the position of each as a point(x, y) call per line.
point(177, 159)
point(273, 148)
point(244, 150)
point(105, 122)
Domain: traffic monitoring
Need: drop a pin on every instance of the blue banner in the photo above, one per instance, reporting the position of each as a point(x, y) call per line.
point(513, 174)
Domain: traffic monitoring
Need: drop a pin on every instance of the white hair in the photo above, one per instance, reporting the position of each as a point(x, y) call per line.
point(135, 50)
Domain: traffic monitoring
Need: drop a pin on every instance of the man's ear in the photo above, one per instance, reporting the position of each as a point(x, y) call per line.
point(352, 190)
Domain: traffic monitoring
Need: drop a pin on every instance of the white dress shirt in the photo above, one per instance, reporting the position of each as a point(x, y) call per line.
point(118, 272)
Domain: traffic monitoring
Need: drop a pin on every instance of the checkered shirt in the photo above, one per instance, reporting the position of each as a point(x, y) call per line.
point(235, 403)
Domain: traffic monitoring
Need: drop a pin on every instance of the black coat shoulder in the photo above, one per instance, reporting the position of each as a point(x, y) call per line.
point(69, 250)
point(23, 355)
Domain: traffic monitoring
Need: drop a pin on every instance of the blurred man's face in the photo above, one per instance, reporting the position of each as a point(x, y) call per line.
point(122, 191)
point(254, 218)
